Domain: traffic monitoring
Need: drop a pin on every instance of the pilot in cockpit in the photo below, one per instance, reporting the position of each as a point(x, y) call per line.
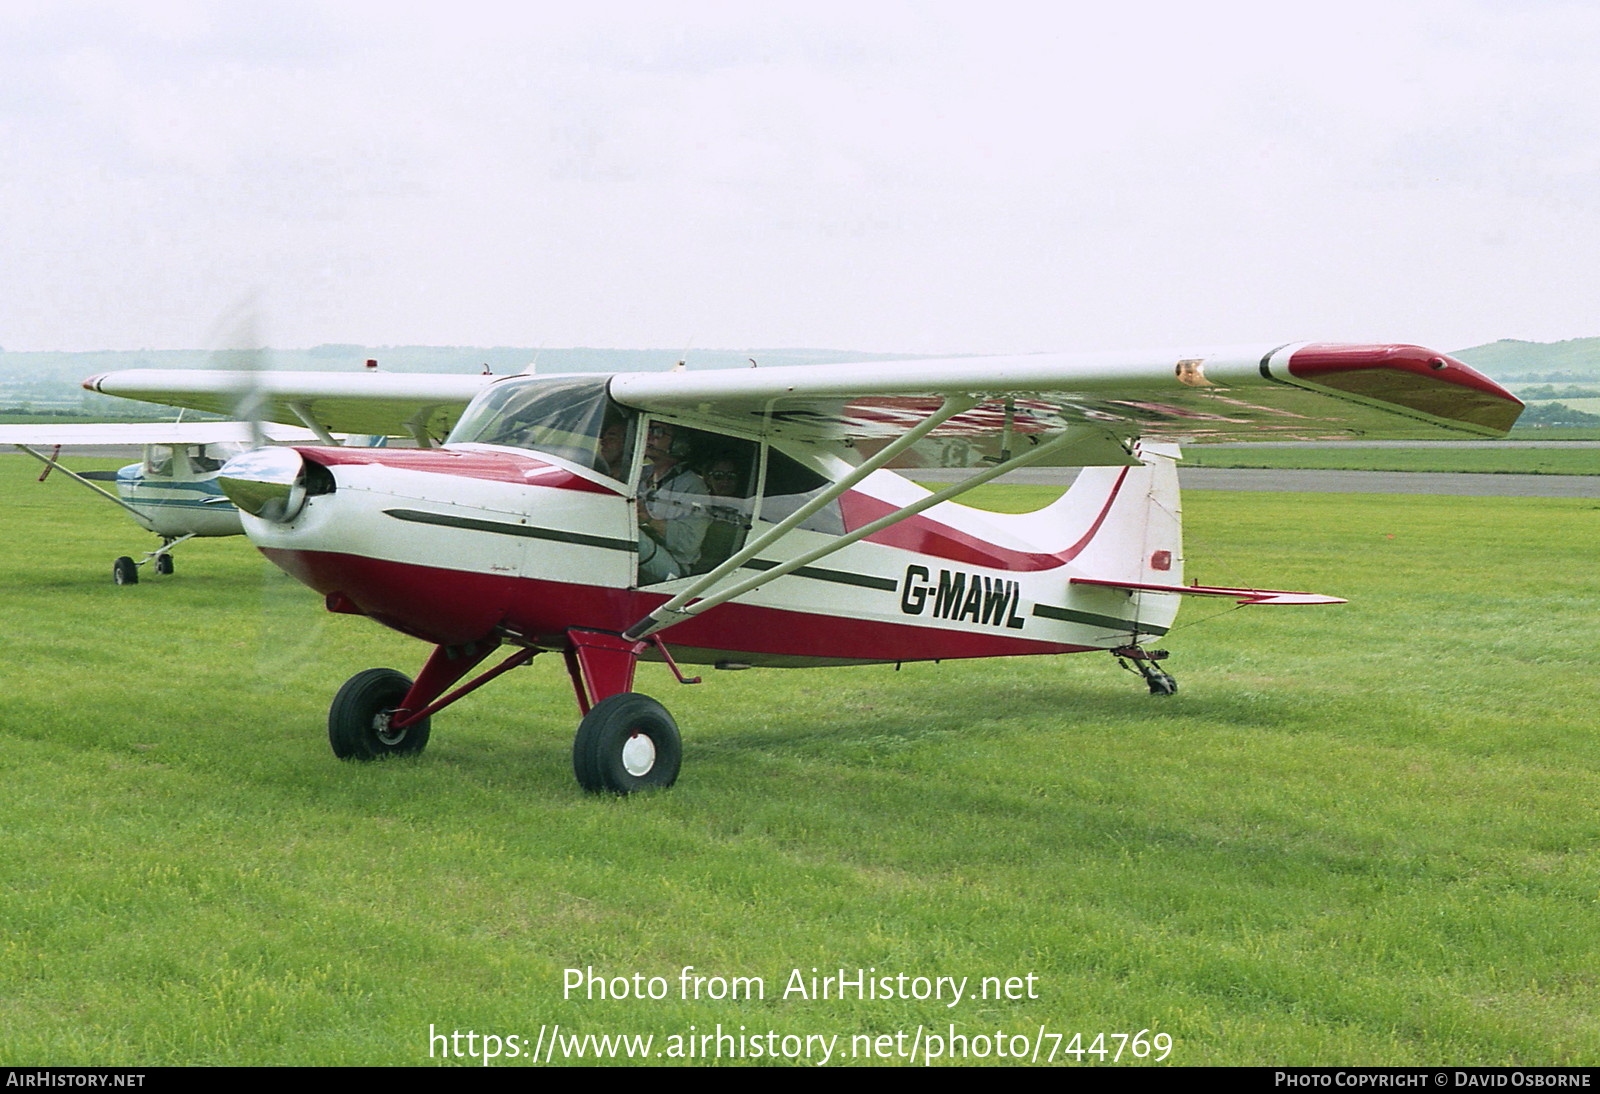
point(672, 508)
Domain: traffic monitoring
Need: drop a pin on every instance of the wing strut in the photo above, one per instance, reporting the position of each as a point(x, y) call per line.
point(56, 464)
point(952, 405)
point(679, 607)
point(303, 412)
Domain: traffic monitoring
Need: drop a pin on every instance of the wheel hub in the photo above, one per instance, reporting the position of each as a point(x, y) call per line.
point(639, 755)
point(380, 727)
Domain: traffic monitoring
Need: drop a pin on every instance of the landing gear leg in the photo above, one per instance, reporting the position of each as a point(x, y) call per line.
point(1143, 661)
point(626, 742)
point(381, 712)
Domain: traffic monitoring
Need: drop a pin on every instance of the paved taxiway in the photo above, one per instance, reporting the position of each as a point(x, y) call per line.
point(1336, 482)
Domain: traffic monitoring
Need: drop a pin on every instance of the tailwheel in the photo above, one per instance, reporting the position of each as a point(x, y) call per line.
point(626, 743)
point(359, 719)
point(1143, 661)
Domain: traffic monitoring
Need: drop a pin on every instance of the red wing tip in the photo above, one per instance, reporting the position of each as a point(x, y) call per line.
point(1326, 358)
point(1415, 378)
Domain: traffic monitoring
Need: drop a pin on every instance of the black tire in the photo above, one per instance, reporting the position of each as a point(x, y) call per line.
point(358, 720)
point(124, 571)
point(625, 744)
point(164, 564)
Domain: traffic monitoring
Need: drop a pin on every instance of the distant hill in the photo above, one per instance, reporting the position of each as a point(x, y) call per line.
point(1512, 361)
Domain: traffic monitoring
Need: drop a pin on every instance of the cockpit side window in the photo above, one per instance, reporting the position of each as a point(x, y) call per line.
point(203, 460)
point(569, 417)
point(158, 461)
point(790, 485)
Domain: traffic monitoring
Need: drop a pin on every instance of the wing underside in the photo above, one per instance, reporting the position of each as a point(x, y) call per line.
point(1295, 392)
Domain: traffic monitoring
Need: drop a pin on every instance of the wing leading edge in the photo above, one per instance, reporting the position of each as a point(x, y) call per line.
point(384, 403)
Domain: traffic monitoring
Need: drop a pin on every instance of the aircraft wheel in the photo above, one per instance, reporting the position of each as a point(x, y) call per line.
point(626, 743)
point(358, 720)
point(163, 564)
point(125, 571)
point(1162, 684)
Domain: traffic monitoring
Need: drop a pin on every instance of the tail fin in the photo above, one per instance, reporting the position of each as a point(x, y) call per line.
point(1125, 524)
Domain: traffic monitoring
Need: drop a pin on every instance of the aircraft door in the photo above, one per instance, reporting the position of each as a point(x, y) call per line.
point(694, 500)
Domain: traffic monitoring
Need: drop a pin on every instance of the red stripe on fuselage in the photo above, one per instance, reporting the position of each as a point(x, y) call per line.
point(453, 607)
point(493, 466)
point(927, 536)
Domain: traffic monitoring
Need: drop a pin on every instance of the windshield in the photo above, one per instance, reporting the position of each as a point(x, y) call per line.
point(565, 416)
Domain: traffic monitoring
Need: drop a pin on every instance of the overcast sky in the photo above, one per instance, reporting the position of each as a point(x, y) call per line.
point(920, 177)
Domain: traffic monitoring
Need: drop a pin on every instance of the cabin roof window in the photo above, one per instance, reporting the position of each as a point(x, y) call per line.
point(563, 416)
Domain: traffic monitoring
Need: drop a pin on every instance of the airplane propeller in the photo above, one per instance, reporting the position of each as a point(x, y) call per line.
point(288, 624)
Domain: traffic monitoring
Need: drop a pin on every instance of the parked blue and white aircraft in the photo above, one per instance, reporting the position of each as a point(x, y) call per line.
point(172, 491)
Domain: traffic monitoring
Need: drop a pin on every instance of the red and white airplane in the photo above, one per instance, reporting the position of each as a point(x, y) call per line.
point(751, 517)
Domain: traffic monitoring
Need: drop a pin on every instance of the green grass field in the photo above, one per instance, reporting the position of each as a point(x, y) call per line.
point(1362, 834)
point(1525, 461)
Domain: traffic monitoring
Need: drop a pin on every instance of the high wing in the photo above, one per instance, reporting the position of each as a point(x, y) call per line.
point(125, 434)
point(423, 406)
point(989, 409)
point(1300, 391)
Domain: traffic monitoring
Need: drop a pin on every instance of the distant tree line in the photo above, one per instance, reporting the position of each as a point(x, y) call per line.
point(1537, 394)
point(1566, 376)
point(1555, 415)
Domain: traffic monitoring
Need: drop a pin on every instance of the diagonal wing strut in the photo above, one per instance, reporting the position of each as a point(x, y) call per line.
point(57, 465)
point(686, 606)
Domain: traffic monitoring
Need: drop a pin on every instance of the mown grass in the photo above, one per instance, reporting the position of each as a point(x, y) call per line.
point(1360, 834)
point(1527, 460)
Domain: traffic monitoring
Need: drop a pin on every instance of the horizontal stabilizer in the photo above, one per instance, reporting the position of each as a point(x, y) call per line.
point(1243, 596)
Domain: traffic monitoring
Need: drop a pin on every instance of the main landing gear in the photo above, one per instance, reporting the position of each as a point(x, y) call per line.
point(1143, 661)
point(626, 741)
point(125, 571)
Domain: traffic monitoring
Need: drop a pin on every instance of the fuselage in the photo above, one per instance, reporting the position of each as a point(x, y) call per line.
point(174, 492)
point(457, 544)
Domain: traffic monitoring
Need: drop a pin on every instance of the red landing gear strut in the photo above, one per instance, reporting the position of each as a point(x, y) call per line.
point(625, 742)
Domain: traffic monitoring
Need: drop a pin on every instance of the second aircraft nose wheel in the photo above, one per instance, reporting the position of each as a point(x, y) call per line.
point(626, 743)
